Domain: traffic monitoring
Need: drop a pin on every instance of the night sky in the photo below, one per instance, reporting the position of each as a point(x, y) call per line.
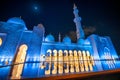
point(101, 17)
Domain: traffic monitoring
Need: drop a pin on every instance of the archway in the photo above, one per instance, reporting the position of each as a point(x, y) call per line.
point(0, 41)
point(19, 62)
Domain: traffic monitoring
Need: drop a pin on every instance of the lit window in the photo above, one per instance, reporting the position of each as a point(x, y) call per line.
point(0, 41)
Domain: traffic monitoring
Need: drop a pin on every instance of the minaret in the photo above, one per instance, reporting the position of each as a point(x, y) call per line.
point(77, 21)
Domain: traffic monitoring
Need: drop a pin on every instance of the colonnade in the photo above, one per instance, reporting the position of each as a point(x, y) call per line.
point(68, 61)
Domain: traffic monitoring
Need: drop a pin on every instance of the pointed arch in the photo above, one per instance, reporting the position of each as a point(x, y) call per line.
point(19, 62)
point(0, 41)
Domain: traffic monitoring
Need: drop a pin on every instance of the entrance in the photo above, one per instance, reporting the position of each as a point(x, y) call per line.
point(19, 62)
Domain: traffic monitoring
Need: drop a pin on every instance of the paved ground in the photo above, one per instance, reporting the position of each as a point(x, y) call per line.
point(102, 75)
point(114, 76)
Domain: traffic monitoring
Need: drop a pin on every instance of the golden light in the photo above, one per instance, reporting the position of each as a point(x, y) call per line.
point(20, 58)
point(54, 71)
point(0, 41)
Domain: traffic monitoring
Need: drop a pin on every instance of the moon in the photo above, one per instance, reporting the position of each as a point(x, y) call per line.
point(35, 7)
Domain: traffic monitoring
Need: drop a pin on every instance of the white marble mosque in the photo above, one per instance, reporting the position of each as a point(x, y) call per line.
point(29, 54)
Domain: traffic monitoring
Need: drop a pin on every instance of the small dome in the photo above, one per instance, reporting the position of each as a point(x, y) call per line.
point(49, 38)
point(87, 41)
point(80, 41)
point(66, 40)
point(17, 20)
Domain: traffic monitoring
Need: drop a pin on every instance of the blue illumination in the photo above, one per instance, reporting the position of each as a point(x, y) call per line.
point(66, 40)
point(36, 48)
point(49, 38)
point(81, 41)
point(18, 21)
point(14, 34)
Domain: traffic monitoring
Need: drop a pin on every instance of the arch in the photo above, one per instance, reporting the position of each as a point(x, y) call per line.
point(107, 53)
point(49, 52)
point(66, 61)
point(76, 62)
point(83, 52)
point(55, 58)
point(0, 41)
point(23, 47)
point(108, 57)
point(60, 61)
point(75, 52)
point(65, 52)
point(106, 50)
point(19, 60)
point(49, 57)
point(70, 52)
point(60, 53)
point(88, 53)
point(55, 52)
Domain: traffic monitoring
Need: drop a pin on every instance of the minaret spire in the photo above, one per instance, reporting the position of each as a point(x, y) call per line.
point(59, 37)
point(20, 17)
point(74, 6)
point(77, 21)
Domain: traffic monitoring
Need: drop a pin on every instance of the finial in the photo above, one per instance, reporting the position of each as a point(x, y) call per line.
point(20, 17)
point(40, 25)
point(74, 6)
point(59, 37)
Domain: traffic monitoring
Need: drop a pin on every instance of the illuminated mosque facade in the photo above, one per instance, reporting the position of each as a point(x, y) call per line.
point(28, 54)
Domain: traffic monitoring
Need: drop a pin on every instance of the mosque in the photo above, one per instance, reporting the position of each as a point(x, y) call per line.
point(29, 54)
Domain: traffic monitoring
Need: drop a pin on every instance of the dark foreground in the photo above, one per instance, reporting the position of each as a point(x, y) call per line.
point(113, 76)
point(103, 75)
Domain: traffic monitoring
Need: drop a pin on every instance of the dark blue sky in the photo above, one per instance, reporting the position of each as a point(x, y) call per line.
point(101, 16)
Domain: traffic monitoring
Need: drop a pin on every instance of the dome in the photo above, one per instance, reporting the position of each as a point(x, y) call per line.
point(80, 41)
point(17, 20)
point(49, 38)
point(87, 41)
point(66, 40)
